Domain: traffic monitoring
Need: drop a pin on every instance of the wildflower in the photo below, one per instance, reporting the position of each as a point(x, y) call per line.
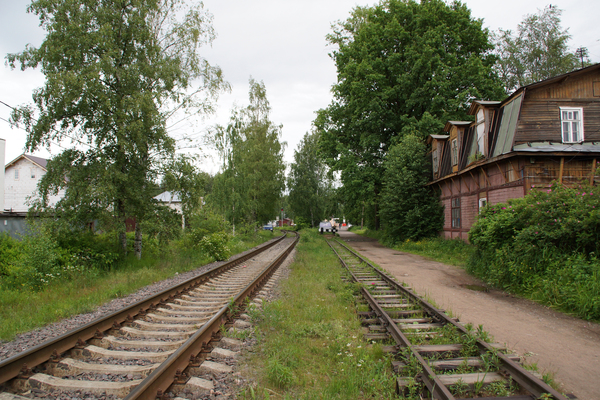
point(348, 345)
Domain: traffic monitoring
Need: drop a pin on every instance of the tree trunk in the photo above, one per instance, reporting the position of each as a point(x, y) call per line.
point(123, 241)
point(137, 244)
point(123, 233)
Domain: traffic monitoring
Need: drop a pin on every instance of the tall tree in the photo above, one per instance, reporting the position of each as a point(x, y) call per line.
point(252, 180)
point(409, 210)
point(115, 71)
point(309, 186)
point(400, 64)
point(537, 51)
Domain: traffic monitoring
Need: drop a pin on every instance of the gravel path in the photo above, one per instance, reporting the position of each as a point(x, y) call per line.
point(566, 346)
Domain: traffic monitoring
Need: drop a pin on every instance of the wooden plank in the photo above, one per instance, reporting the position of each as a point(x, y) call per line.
point(593, 171)
point(485, 175)
point(434, 325)
point(438, 348)
point(501, 173)
point(470, 379)
point(475, 180)
point(562, 167)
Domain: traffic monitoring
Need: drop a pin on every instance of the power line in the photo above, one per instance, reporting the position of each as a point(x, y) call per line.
point(54, 143)
point(54, 129)
point(581, 53)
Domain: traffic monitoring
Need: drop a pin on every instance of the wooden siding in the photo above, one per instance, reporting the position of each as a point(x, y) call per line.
point(572, 87)
point(540, 120)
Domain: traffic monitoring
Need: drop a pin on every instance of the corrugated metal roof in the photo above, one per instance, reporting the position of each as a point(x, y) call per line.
point(168, 196)
point(549, 147)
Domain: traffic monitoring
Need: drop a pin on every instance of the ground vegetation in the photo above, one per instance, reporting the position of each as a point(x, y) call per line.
point(544, 246)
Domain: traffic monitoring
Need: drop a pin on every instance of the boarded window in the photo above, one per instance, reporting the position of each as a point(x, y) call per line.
point(16, 174)
point(456, 212)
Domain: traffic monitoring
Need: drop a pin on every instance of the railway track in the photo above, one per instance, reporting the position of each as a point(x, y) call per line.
point(436, 356)
point(152, 348)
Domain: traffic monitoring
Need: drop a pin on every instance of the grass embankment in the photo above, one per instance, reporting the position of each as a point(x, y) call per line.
point(310, 341)
point(22, 310)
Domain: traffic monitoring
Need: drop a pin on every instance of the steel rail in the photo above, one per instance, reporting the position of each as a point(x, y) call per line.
point(162, 377)
point(429, 378)
point(12, 366)
point(524, 378)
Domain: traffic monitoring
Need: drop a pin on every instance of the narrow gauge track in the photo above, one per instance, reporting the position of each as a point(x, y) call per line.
point(149, 345)
point(435, 352)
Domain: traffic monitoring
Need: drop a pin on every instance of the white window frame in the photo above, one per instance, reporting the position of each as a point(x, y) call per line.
point(482, 203)
point(571, 124)
point(454, 151)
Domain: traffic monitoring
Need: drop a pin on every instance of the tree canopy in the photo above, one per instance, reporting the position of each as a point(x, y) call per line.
point(536, 51)
point(249, 188)
point(403, 67)
point(309, 187)
point(115, 71)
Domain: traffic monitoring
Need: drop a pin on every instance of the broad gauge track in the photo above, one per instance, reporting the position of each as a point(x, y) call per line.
point(140, 351)
point(435, 354)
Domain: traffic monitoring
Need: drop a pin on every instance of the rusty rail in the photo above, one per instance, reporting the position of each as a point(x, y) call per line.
point(161, 378)
point(524, 378)
point(12, 366)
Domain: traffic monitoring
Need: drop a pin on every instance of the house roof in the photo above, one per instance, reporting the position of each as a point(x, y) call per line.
point(168, 197)
point(550, 147)
point(449, 124)
point(549, 81)
point(486, 103)
point(39, 161)
point(437, 137)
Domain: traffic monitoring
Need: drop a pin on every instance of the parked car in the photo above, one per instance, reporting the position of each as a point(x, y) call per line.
point(326, 227)
point(268, 227)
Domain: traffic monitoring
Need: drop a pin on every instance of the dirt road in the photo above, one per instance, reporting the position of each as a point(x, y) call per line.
point(558, 343)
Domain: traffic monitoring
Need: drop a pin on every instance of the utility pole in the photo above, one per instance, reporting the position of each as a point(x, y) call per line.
point(581, 52)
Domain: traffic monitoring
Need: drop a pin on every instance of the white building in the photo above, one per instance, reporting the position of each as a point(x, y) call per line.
point(21, 177)
point(173, 201)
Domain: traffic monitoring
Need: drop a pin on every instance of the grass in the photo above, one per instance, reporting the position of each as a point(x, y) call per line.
point(310, 341)
point(23, 310)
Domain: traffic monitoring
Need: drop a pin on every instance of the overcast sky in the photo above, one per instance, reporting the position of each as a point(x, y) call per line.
point(281, 43)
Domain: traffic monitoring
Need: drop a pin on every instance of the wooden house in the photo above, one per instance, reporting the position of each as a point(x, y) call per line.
point(546, 131)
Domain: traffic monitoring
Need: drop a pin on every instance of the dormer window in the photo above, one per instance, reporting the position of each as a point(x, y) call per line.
point(480, 131)
point(571, 122)
point(454, 150)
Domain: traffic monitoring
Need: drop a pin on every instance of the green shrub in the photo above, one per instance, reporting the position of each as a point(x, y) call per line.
point(216, 246)
point(10, 251)
point(544, 246)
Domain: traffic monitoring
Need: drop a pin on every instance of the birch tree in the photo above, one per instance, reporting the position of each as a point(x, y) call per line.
point(115, 70)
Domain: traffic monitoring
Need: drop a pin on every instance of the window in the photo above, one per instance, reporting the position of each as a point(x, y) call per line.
point(435, 161)
point(482, 203)
point(16, 174)
point(455, 152)
point(32, 173)
point(571, 122)
point(456, 212)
